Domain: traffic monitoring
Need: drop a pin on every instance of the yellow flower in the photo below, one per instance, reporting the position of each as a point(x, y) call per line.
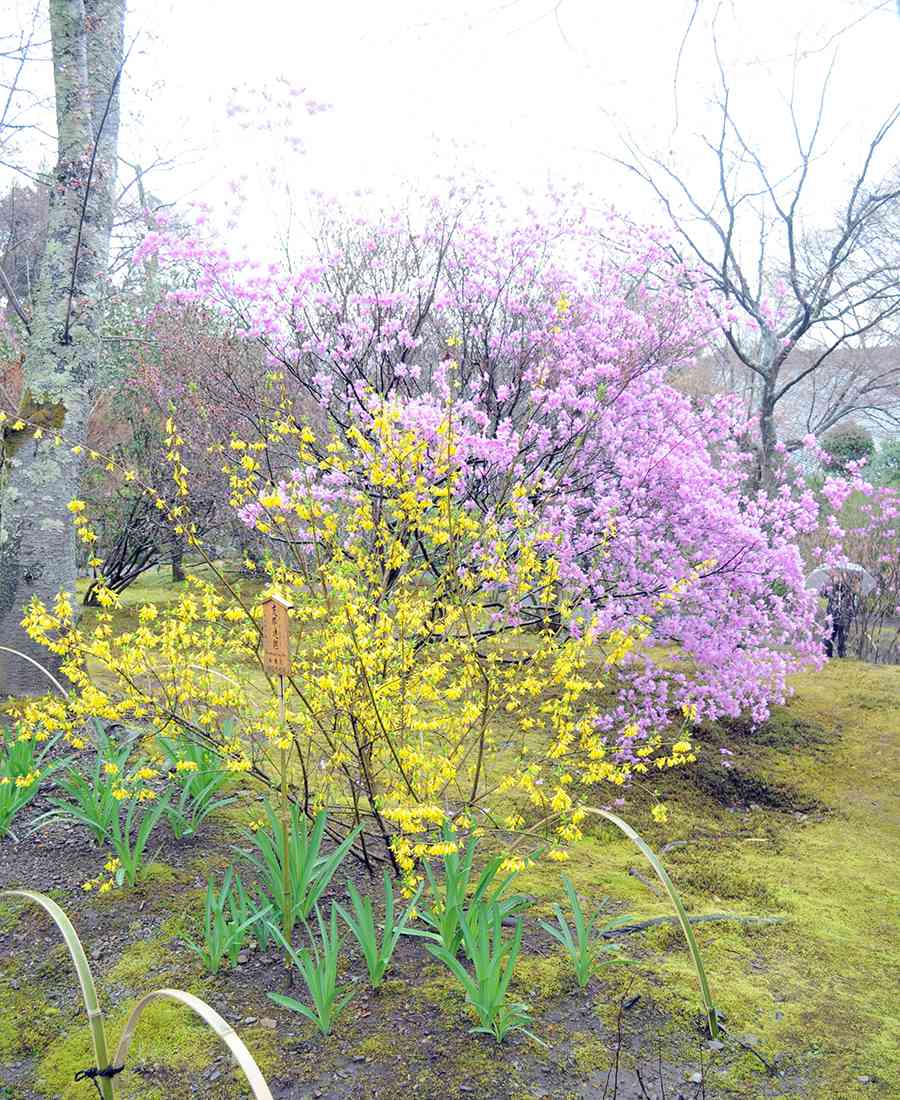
point(681, 746)
point(111, 769)
point(561, 801)
point(444, 848)
point(660, 813)
point(365, 657)
point(76, 506)
point(510, 864)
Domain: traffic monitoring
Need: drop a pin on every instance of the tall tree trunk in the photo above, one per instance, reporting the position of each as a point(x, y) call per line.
point(768, 436)
point(177, 560)
point(37, 542)
point(768, 432)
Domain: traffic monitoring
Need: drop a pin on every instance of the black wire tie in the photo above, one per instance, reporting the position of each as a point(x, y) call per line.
point(93, 1073)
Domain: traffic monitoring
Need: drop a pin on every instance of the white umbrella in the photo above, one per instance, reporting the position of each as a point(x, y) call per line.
point(824, 575)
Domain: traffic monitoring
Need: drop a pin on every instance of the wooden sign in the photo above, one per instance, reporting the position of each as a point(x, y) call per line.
point(276, 636)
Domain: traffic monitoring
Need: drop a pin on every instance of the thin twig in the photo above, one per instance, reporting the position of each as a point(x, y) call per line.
point(14, 301)
point(635, 873)
point(629, 929)
point(659, 1072)
point(646, 1095)
point(770, 1068)
point(678, 61)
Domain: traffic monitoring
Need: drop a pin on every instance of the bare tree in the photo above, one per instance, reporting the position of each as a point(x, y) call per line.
point(796, 298)
point(19, 49)
point(23, 237)
point(859, 382)
point(62, 349)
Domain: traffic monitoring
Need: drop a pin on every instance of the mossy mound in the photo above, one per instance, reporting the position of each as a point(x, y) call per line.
point(169, 1040)
point(810, 991)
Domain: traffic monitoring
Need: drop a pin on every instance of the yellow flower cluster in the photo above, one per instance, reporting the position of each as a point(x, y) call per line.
point(83, 529)
point(104, 882)
point(416, 697)
point(20, 781)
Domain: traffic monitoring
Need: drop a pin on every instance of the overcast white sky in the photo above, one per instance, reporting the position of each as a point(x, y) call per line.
point(521, 92)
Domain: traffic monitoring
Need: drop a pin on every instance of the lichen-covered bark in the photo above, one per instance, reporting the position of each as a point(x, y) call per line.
point(39, 478)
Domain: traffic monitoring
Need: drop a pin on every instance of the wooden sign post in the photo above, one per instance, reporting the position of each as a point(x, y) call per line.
point(276, 642)
point(276, 636)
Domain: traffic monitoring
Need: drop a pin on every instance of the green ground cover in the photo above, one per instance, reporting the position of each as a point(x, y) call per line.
point(802, 829)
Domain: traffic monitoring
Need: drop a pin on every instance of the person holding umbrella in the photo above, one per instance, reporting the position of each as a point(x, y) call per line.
point(836, 584)
point(840, 608)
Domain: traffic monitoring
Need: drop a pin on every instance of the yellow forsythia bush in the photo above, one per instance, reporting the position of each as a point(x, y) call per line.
point(417, 696)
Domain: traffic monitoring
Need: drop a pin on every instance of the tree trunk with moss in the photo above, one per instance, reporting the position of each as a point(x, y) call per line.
point(40, 468)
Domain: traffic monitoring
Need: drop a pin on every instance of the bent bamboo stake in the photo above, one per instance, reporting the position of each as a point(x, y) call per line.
point(53, 680)
point(85, 979)
point(712, 1016)
point(221, 1027)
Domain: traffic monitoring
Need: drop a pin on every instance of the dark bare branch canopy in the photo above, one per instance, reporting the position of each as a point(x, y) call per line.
point(811, 303)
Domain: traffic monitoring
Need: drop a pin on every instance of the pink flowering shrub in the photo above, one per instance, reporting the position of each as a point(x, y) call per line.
point(551, 343)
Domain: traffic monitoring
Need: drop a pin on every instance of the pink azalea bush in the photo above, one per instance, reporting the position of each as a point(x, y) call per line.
point(550, 342)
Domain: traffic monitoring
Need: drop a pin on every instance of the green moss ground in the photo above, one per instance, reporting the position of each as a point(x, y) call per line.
point(168, 1037)
point(814, 991)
